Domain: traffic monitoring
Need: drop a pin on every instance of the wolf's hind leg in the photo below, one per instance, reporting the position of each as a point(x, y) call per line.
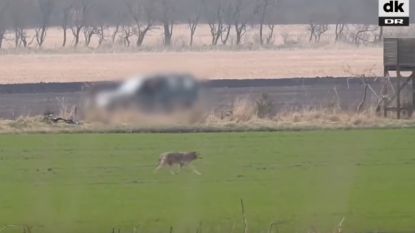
point(157, 169)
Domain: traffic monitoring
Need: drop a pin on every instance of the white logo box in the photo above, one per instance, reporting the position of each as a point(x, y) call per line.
point(391, 5)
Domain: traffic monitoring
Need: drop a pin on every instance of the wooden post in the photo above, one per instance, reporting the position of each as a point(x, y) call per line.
point(385, 105)
point(413, 91)
point(398, 94)
point(398, 83)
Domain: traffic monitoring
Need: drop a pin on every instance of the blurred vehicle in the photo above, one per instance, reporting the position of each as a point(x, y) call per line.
point(155, 93)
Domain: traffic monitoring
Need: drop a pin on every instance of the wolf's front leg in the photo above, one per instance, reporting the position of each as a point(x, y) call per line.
point(158, 168)
point(195, 170)
point(171, 169)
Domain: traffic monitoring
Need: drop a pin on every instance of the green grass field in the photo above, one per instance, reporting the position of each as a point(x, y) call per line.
point(307, 181)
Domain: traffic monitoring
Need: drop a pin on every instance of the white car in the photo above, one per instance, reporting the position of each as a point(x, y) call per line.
point(156, 93)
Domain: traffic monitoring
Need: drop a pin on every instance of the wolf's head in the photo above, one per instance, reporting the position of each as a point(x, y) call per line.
point(194, 155)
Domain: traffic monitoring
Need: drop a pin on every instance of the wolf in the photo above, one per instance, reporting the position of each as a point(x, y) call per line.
point(181, 159)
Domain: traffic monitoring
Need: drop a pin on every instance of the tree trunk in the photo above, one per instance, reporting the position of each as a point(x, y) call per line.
point(126, 34)
point(88, 38)
point(16, 38)
point(142, 34)
point(193, 27)
point(339, 31)
point(101, 34)
point(41, 36)
point(64, 36)
point(240, 31)
point(262, 22)
point(312, 29)
point(380, 34)
point(140, 39)
point(215, 32)
point(114, 34)
point(76, 33)
point(168, 32)
point(76, 40)
point(192, 33)
point(227, 32)
point(271, 33)
point(261, 33)
point(1, 38)
point(238, 38)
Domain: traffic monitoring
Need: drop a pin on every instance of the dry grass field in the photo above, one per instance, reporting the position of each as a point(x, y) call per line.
point(74, 67)
point(54, 64)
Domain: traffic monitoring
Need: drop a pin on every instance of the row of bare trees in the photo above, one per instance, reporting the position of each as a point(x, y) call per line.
point(356, 34)
point(130, 21)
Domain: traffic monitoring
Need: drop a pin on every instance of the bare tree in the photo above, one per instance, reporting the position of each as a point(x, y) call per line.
point(193, 18)
point(45, 11)
point(192, 24)
point(89, 32)
point(364, 34)
point(339, 31)
point(226, 31)
point(79, 14)
point(263, 8)
point(239, 19)
point(101, 34)
point(126, 33)
point(66, 13)
point(142, 13)
point(240, 32)
point(216, 21)
point(167, 19)
point(20, 17)
point(20, 37)
point(316, 31)
point(2, 34)
point(228, 19)
point(118, 20)
point(311, 28)
point(379, 36)
point(3, 27)
point(115, 33)
point(270, 36)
